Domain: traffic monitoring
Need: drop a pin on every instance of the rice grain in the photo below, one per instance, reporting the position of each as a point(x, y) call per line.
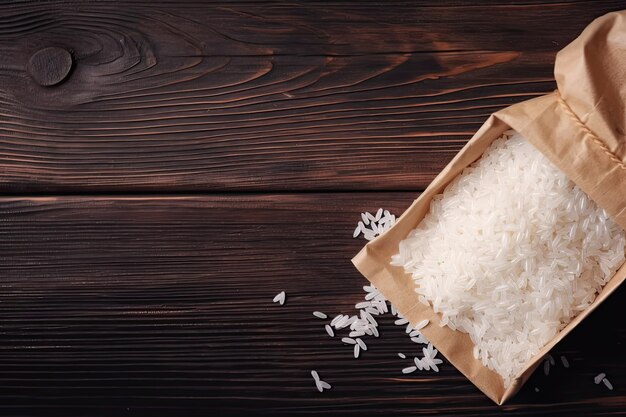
point(409, 369)
point(512, 228)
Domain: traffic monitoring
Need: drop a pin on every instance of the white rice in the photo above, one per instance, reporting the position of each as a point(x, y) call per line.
point(601, 377)
point(510, 253)
point(336, 319)
point(564, 361)
point(316, 378)
point(320, 315)
point(368, 235)
point(351, 320)
point(319, 384)
point(421, 324)
point(378, 224)
point(342, 322)
point(371, 295)
point(598, 378)
point(361, 344)
point(372, 310)
point(280, 298)
point(366, 315)
point(409, 369)
point(375, 304)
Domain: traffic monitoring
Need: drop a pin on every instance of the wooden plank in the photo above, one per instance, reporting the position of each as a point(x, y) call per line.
point(157, 305)
point(183, 96)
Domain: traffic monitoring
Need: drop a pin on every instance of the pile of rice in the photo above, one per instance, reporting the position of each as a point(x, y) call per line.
point(510, 253)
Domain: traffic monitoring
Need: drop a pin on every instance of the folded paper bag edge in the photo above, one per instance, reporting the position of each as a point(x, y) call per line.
point(589, 73)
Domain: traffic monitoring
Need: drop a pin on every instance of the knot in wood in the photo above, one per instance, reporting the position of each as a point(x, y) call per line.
point(49, 66)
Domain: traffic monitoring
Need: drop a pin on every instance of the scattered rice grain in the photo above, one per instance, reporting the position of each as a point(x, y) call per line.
point(280, 298)
point(315, 375)
point(320, 315)
point(361, 343)
point(325, 385)
point(409, 369)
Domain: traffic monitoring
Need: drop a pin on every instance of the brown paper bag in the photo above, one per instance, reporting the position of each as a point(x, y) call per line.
point(581, 129)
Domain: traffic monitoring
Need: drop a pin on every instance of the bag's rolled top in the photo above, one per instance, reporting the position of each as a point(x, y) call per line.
point(580, 128)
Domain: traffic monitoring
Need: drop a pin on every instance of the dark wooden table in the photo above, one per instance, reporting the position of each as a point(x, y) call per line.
point(168, 167)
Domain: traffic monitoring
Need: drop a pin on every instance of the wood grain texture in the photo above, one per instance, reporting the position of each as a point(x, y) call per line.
point(257, 96)
point(162, 306)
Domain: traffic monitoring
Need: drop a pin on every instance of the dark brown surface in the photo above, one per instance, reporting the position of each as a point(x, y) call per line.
point(161, 304)
point(136, 306)
point(172, 96)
